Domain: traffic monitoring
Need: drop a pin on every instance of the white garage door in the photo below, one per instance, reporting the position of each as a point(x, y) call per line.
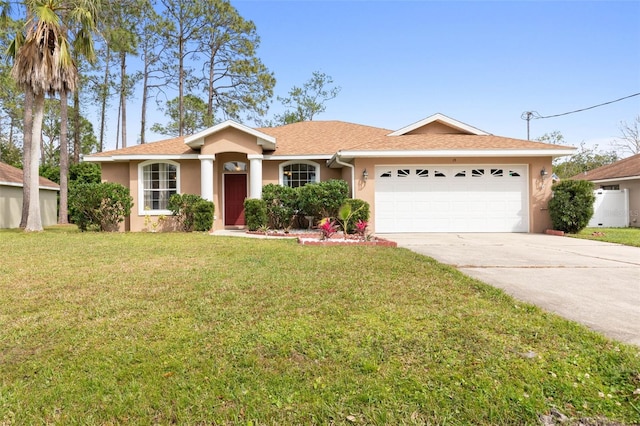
point(479, 198)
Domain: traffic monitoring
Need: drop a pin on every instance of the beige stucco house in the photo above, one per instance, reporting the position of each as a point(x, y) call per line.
point(11, 198)
point(435, 175)
point(621, 175)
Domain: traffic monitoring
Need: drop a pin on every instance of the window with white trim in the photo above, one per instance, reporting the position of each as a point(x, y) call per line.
point(159, 182)
point(299, 173)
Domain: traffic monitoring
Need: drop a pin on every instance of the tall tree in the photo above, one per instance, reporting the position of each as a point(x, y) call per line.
point(99, 76)
point(12, 51)
point(212, 34)
point(629, 141)
point(583, 160)
point(304, 103)
point(43, 64)
point(126, 19)
point(184, 18)
point(234, 78)
point(11, 99)
point(11, 108)
point(194, 117)
point(76, 115)
point(53, 150)
point(152, 50)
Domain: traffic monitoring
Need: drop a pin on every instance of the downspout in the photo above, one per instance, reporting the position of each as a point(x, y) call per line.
point(353, 173)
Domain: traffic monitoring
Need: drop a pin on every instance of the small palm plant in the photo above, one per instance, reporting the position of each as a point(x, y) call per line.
point(345, 214)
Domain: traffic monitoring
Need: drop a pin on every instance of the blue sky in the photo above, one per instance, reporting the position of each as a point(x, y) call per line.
point(481, 62)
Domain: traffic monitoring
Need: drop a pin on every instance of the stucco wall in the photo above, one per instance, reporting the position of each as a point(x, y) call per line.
point(118, 173)
point(189, 183)
point(539, 190)
point(271, 171)
point(127, 174)
point(434, 128)
point(634, 198)
point(230, 140)
point(11, 206)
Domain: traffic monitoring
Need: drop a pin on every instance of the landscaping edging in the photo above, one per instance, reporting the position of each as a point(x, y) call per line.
point(313, 239)
point(554, 232)
point(349, 242)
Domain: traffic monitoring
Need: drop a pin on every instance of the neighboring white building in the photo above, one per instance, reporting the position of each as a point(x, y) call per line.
point(11, 198)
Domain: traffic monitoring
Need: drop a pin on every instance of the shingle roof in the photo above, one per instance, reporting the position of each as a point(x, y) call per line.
point(174, 146)
point(13, 175)
point(451, 142)
point(320, 137)
point(625, 168)
point(329, 137)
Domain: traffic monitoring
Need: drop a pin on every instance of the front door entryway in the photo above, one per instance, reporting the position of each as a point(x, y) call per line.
point(235, 192)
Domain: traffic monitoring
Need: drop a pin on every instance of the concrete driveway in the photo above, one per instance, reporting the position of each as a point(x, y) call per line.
point(594, 283)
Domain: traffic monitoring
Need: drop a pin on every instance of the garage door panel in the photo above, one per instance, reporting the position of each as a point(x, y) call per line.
point(480, 199)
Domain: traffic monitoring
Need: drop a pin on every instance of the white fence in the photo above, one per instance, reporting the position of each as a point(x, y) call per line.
point(611, 209)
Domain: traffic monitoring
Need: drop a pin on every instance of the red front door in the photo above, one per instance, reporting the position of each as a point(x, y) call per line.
point(235, 191)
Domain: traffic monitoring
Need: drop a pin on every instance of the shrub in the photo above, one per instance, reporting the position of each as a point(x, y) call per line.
point(360, 211)
point(192, 212)
point(322, 199)
point(50, 172)
point(571, 207)
point(281, 205)
point(203, 215)
point(84, 173)
point(255, 213)
point(99, 206)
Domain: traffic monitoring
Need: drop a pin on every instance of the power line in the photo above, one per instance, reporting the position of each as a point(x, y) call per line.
point(534, 115)
point(591, 107)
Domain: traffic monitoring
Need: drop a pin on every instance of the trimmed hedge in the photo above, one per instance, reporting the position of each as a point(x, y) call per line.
point(255, 213)
point(203, 215)
point(281, 203)
point(192, 212)
point(571, 207)
point(322, 199)
point(99, 206)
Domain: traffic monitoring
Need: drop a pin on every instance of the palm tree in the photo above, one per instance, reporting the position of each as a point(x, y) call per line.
point(43, 65)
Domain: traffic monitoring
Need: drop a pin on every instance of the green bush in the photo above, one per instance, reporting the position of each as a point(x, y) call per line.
point(203, 215)
point(99, 206)
point(571, 207)
point(50, 172)
point(84, 173)
point(322, 199)
point(359, 211)
point(192, 212)
point(255, 213)
point(281, 204)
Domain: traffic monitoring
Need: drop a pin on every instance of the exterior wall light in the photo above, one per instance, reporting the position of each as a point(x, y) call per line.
point(543, 173)
point(365, 175)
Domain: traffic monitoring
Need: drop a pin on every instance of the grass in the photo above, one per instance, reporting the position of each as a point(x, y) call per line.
point(193, 329)
point(626, 236)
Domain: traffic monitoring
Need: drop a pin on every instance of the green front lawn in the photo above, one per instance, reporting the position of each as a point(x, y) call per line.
point(626, 236)
point(194, 329)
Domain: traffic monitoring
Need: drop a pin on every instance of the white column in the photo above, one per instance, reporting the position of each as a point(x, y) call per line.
point(255, 176)
point(206, 176)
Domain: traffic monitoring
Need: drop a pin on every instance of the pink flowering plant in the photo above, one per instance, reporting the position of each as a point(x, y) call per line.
point(361, 228)
point(327, 228)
